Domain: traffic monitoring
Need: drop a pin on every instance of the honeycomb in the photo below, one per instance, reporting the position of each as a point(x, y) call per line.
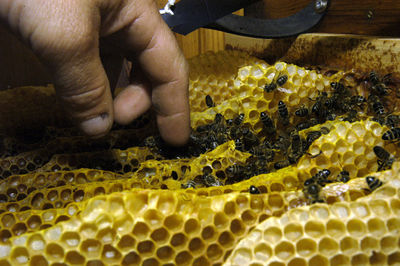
point(308, 186)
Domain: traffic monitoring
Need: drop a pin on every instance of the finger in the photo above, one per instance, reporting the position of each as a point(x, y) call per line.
point(134, 99)
point(83, 88)
point(65, 36)
point(161, 60)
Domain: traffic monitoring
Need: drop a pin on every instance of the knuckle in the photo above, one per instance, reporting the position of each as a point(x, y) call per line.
point(83, 99)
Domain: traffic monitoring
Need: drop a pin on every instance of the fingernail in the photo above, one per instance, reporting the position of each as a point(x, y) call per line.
point(97, 126)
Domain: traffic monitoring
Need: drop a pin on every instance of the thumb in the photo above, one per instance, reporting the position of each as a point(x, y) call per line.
point(65, 36)
point(83, 89)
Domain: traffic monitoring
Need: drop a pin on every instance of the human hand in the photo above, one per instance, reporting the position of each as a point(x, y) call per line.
point(66, 36)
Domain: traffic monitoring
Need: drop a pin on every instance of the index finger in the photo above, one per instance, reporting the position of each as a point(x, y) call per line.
point(165, 67)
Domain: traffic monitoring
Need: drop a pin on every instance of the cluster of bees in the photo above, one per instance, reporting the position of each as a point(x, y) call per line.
point(279, 144)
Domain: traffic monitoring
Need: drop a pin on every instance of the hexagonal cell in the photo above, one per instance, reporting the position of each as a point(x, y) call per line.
point(314, 229)
point(249, 217)
point(356, 227)
point(293, 231)
point(146, 247)
point(376, 227)
point(377, 258)
point(183, 258)
point(19, 229)
point(8, 220)
point(237, 227)
point(349, 245)
point(192, 226)
point(36, 242)
point(263, 252)
point(173, 222)
point(394, 258)
point(388, 244)
point(5, 235)
point(328, 246)
point(132, 258)
point(318, 260)
point(226, 239)
point(160, 235)
point(70, 239)
point(305, 247)
point(335, 228)
point(220, 220)
point(54, 251)
point(34, 222)
point(141, 230)
point(297, 262)
point(110, 254)
point(393, 225)
point(73, 257)
point(165, 253)
point(369, 244)
point(91, 247)
point(20, 255)
point(284, 250)
point(230, 208)
point(340, 259)
point(178, 239)
point(214, 252)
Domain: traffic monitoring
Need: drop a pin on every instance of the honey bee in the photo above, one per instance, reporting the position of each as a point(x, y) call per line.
point(357, 100)
point(301, 112)
point(238, 120)
point(373, 78)
point(211, 181)
point(281, 164)
point(189, 184)
point(283, 113)
point(338, 87)
point(373, 182)
point(249, 139)
point(236, 172)
point(229, 122)
point(275, 82)
point(239, 144)
point(379, 85)
point(324, 130)
point(332, 102)
point(282, 80)
point(378, 108)
point(306, 124)
point(392, 134)
point(352, 116)
point(321, 178)
point(344, 176)
point(319, 109)
point(311, 192)
point(311, 137)
point(385, 160)
point(269, 126)
point(392, 120)
point(313, 185)
point(270, 87)
point(296, 141)
point(254, 190)
point(209, 101)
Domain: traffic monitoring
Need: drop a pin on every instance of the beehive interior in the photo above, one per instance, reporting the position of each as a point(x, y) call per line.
point(239, 193)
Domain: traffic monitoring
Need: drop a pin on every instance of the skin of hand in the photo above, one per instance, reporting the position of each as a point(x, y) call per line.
point(67, 36)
